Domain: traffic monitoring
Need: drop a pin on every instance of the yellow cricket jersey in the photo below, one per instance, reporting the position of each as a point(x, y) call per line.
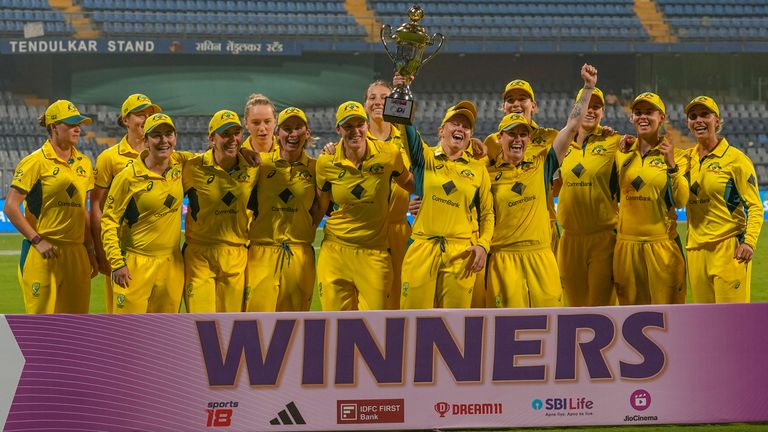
point(452, 192)
point(56, 192)
point(520, 202)
point(249, 145)
point(148, 206)
point(360, 193)
point(724, 200)
point(587, 201)
point(398, 202)
point(218, 213)
point(648, 195)
point(112, 160)
point(283, 201)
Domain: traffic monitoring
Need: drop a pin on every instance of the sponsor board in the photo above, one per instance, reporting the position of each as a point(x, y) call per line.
point(370, 411)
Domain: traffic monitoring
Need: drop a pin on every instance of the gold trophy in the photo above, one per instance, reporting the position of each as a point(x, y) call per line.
point(411, 40)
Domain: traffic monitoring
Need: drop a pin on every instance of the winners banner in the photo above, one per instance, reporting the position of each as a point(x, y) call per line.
point(385, 369)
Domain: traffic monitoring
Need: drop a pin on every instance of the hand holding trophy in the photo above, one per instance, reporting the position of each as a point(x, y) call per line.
point(411, 40)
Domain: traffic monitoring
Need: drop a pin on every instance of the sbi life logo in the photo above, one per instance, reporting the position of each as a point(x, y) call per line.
point(563, 404)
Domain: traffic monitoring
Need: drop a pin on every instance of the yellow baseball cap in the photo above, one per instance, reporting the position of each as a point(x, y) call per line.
point(138, 102)
point(291, 112)
point(66, 112)
point(518, 84)
point(651, 98)
point(464, 107)
point(596, 92)
point(156, 120)
point(706, 101)
point(348, 110)
point(223, 120)
point(514, 119)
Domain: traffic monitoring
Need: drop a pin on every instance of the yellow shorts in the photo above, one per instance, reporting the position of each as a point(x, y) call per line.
point(214, 278)
point(280, 279)
point(56, 285)
point(523, 279)
point(436, 274)
point(650, 272)
point(353, 278)
point(716, 277)
point(398, 235)
point(156, 285)
point(586, 268)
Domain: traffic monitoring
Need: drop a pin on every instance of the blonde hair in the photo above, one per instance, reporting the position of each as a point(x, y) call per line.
point(258, 99)
point(374, 84)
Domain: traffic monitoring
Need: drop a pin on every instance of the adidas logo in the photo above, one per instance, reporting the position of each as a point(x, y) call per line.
point(289, 416)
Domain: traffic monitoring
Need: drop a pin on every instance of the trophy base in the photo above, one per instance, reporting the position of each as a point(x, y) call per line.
point(397, 110)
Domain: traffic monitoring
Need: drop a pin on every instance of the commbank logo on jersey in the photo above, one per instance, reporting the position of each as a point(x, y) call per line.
point(449, 187)
point(71, 190)
point(286, 195)
point(518, 188)
point(637, 183)
point(228, 198)
point(289, 416)
point(169, 200)
point(578, 170)
point(358, 191)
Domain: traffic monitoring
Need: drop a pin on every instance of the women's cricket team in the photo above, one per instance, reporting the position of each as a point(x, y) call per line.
point(482, 236)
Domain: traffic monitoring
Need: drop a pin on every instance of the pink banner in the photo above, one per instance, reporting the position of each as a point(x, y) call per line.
point(385, 370)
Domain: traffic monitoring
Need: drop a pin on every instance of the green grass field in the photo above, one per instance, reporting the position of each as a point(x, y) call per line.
point(11, 303)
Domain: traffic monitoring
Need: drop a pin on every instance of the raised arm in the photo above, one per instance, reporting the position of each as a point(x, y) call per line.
point(565, 136)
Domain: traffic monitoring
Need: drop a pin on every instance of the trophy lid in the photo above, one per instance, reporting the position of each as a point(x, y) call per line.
point(412, 31)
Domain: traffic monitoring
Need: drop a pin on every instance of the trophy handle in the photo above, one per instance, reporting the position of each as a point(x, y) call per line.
point(439, 46)
point(386, 32)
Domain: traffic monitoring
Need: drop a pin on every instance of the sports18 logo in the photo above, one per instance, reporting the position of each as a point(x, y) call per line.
point(220, 413)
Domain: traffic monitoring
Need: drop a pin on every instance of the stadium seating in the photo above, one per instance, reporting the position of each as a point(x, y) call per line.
point(710, 20)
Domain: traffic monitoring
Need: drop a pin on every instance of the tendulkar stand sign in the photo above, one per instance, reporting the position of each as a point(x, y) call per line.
point(482, 368)
point(150, 46)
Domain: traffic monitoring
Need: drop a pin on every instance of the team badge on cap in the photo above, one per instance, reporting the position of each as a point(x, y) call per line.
point(222, 121)
point(66, 112)
point(291, 112)
point(138, 102)
point(156, 120)
point(350, 109)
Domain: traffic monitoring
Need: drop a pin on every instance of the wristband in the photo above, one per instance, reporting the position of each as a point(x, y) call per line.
point(36, 239)
point(673, 170)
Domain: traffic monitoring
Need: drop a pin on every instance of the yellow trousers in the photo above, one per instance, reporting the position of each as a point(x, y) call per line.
point(353, 278)
point(55, 285)
point(156, 285)
point(436, 275)
point(716, 277)
point(649, 272)
point(522, 279)
point(586, 268)
point(398, 235)
point(280, 278)
point(214, 278)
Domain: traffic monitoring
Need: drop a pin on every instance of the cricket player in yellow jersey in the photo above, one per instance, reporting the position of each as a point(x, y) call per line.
point(141, 225)
point(133, 113)
point(218, 184)
point(260, 117)
point(648, 264)
point(522, 271)
point(354, 268)
point(518, 98)
point(442, 262)
point(281, 258)
point(587, 211)
point(57, 253)
point(399, 228)
point(725, 213)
